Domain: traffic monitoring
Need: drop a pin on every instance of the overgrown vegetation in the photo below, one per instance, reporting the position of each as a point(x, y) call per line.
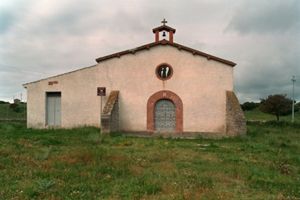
point(80, 164)
point(12, 111)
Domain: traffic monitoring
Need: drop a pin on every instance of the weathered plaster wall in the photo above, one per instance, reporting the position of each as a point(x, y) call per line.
point(200, 83)
point(79, 103)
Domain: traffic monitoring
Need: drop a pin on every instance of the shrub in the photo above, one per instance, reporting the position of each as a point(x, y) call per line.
point(249, 106)
point(15, 107)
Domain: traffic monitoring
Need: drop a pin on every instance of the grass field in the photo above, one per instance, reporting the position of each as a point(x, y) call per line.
point(257, 115)
point(79, 164)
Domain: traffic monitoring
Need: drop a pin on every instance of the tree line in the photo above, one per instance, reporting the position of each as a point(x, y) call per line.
point(17, 106)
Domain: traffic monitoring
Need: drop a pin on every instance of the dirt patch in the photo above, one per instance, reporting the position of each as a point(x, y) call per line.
point(194, 194)
point(136, 170)
point(77, 158)
point(186, 192)
point(209, 157)
point(5, 152)
point(116, 158)
point(25, 160)
point(2, 167)
point(165, 167)
point(26, 143)
point(47, 165)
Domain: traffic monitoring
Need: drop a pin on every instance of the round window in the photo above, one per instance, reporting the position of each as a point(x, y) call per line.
point(164, 71)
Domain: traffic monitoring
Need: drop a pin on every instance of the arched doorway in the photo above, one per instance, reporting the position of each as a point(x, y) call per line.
point(164, 116)
point(164, 102)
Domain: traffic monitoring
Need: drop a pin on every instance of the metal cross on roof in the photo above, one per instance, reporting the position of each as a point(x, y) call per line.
point(164, 21)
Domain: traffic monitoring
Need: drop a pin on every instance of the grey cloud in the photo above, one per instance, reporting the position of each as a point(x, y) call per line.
point(265, 16)
point(70, 19)
point(268, 70)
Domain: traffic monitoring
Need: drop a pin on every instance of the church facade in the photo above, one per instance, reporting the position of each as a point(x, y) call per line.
point(160, 88)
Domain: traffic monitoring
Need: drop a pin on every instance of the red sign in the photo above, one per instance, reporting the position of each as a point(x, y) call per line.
point(101, 91)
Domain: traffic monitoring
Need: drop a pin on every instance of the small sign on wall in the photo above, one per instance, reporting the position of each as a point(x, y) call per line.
point(52, 82)
point(101, 91)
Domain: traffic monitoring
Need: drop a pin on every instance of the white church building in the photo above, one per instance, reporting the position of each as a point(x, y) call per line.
point(160, 88)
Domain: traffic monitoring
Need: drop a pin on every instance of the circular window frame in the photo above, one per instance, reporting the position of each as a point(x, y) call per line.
point(158, 76)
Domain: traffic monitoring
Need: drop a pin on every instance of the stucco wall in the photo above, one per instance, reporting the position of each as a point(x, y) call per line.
point(200, 83)
point(79, 103)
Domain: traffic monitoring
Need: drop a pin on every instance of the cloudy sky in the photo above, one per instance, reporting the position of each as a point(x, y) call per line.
point(41, 38)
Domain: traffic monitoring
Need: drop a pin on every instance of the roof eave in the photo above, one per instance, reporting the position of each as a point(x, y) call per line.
point(164, 28)
point(165, 42)
point(55, 76)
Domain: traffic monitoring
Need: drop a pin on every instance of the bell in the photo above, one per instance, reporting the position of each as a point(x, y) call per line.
point(164, 34)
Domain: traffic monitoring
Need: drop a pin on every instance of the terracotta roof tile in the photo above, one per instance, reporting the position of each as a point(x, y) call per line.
point(164, 28)
point(165, 42)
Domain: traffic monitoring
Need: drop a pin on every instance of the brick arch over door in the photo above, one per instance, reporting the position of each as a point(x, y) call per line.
point(164, 94)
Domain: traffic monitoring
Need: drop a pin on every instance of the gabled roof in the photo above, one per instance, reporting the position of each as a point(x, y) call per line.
point(166, 42)
point(143, 47)
point(164, 28)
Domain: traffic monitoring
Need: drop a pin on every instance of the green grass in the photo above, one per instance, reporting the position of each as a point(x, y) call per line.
point(7, 113)
point(257, 115)
point(79, 164)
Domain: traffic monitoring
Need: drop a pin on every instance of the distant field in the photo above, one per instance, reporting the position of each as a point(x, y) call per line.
point(79, 164)
point(256, 114)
